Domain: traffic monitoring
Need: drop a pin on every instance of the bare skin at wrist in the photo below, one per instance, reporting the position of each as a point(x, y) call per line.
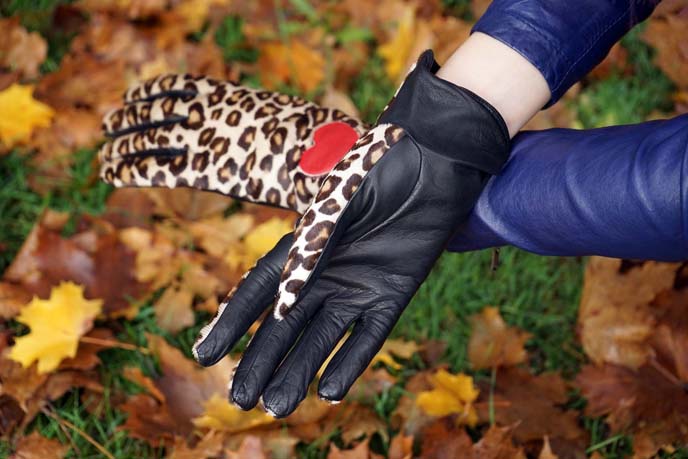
point(501, 76)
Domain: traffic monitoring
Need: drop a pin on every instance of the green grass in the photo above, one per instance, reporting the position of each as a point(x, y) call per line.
point(538, 294)
point(625, 99)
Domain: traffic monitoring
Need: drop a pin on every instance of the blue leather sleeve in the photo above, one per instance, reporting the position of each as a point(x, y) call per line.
point(620, 192)
point(564, 39)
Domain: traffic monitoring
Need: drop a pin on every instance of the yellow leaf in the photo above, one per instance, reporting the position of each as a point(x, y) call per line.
point(396, 51)
point(257, 243)
point(56, 326)
point(402, 349)
point(21, 114)
point(452, 394)
point(221, 415)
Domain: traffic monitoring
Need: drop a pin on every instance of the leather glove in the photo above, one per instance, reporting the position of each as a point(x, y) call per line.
point(254, 145)
point(381, 218)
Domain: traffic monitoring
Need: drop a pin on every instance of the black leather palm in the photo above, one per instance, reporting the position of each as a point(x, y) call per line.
point(383, 247)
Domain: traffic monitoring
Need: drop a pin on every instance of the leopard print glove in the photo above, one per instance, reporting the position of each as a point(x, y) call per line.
point(254, 145)
point(370, 237)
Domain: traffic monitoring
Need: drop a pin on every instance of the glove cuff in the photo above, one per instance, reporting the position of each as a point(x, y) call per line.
point(440, 116)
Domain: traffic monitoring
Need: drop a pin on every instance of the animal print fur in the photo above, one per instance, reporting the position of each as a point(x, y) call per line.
point(318, 222)
point(217, 136)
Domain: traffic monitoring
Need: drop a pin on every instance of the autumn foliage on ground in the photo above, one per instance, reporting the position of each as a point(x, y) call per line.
point(103, 291)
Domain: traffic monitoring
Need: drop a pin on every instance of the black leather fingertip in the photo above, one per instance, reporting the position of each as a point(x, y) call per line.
point(280, 402)
point(332, 390)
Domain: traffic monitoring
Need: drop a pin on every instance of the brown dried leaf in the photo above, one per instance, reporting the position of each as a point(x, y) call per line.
point(667, 36)
point(173, 310)
point(493, 343)
point(184, 383)
point(21, 51)
point(150, 421)
point(533, 405)
point(36, 446)
point(647, 402)
point(615, 317)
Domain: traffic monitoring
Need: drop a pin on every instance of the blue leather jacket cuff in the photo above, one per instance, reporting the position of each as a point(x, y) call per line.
point(563, 39)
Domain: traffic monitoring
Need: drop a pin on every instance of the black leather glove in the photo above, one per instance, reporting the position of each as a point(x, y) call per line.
point(368, 240)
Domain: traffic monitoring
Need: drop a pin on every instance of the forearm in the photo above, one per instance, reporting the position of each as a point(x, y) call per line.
point(501, 76)
point(619, 192)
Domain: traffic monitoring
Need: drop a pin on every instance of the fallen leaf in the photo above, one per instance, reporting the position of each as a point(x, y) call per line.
point(12, 299)
point(150, 421)
point(397, 50)
point(257, 243)
point(21, 51)
point(443, 439)
point(210, 446)
point(534, 406)
point(135, 375)
point(644, 402)
point(86, 357)
point(360, 451)
point(401, 447)
point(251, 448)
point(36, 446)
point(292, 62)
point(451, 394)
point(395, 347)
point(546, 452)
point(493, 343)
point(615, 318)
point(497, 444)
point(173, 310)
point(221, 415)
point(56, 326)
point(667, 36)
point(22, 115)
point(186, 385)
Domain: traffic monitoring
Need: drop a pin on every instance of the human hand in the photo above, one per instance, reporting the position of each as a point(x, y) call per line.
point(360, 251)
point(260, 146)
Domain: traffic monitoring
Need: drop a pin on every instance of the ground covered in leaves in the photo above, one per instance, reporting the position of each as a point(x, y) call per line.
point(103, 291)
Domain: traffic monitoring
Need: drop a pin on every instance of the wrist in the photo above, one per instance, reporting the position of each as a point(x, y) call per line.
point(501, 76)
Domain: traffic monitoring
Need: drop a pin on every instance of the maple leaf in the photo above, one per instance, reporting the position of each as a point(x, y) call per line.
point(615, 317)
point(443, 439)
point(219, 414)
point(645, 402)
point(493, 343)
point(56, 326)
point(21, 114)
point(452, 394)
point(534, 406)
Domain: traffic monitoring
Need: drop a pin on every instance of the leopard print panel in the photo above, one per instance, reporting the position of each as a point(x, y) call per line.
point(181, 131)
point(318, 222)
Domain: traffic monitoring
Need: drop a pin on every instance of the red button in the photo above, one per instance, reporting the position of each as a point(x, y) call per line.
point(331, 142)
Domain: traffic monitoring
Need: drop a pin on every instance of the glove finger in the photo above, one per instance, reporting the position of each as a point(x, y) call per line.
point(267, 348)
point(324, 222)
point(242, 306)
point(170, 84)
point(146, 114)
point(356, 353)
point(289, 386)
